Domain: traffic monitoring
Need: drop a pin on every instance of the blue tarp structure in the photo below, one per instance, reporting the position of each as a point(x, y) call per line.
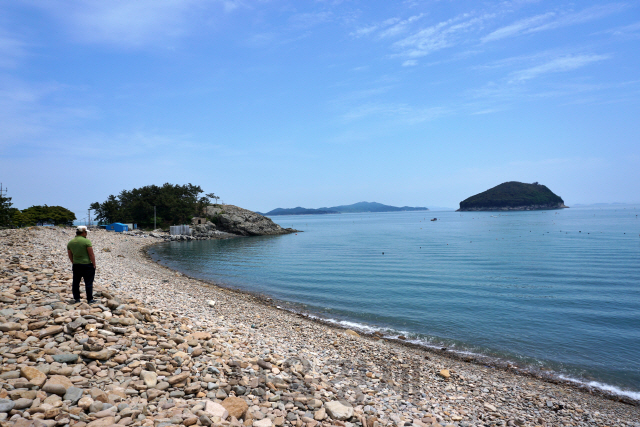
point(118, 227)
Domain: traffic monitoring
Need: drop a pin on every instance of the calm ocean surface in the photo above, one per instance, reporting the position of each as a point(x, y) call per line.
point(557, 290)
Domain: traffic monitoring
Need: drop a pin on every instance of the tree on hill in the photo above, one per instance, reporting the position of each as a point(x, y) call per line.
point(175, 204)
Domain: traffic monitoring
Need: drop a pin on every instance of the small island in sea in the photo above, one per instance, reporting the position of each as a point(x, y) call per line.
point(513, 196)
point(359, 207)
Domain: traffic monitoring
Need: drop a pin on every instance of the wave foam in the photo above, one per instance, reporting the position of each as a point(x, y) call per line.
point(394, 334)
point(604, 387)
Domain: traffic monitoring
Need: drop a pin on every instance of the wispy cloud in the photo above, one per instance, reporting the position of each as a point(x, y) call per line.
point(442, 35)
point(12, 50)
point(562, 64)
point(627, 30)
point(370, 29)
point(400, 27)
point(399, 112)
point(29, 114)
point(517, 27)
point(310, 19)
point(553, 20)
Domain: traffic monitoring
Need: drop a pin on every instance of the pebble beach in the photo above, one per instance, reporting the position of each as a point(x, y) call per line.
point(158, 348)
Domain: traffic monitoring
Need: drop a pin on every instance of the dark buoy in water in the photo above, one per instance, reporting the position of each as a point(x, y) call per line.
point(382, 253)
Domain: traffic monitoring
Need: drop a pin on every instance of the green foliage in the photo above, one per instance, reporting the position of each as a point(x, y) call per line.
point(108, 211)
point(512, 194)
point(56, 215)
point(175, 204)
point(5, 210)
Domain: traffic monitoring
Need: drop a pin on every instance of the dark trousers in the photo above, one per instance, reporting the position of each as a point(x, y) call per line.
point(86, 272)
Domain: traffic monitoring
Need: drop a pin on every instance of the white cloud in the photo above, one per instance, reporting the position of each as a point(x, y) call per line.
point(517, 27)
point(365, 31)
point(565, 63)
point(487, 111)
point(400, 27)
point(400, 112)
point(442, 35)
point(553, 20)
point(410, 63)
point(627, 30)
point(590, 14)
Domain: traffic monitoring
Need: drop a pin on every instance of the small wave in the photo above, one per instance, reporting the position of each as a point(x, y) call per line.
point(395, 334)
point(347, 324)
point(604, 387)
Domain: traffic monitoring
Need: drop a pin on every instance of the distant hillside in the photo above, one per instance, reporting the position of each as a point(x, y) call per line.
point(513, 195)
point(355, 208)
point(372, 207)
point(300, 211)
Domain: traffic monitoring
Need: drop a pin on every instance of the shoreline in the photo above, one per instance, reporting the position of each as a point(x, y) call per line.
point(300, 367)
point(459, 355)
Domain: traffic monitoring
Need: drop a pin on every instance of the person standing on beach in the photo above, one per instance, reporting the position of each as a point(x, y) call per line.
point(81, 255)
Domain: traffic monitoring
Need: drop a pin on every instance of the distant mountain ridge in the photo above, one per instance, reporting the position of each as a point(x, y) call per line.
point(354, 208)
point(300, 211)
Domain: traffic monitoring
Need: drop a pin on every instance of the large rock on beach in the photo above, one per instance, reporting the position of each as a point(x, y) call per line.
point(243, 222)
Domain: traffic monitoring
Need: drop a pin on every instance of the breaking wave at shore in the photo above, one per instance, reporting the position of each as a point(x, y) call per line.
point(491, 361)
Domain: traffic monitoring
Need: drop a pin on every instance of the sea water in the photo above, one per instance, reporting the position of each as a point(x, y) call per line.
point(545, 290)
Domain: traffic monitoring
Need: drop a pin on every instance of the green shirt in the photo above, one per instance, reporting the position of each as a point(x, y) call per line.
point(78, 246)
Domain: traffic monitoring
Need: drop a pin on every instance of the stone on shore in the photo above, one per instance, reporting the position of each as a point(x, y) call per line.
point(6, 405)
point(339, 410)
point(150, 378)
point(235, 406)
point(73, 394)
point(265, 422)
point(57, 384)
point(215, 409)
point(103, 354)
point(35, 376)
point(65, 358)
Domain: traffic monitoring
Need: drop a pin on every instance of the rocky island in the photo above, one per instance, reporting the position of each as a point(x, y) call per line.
point(513, 196)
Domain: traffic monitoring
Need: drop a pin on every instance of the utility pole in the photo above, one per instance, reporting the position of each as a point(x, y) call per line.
point(154, 217)
point(3, 190)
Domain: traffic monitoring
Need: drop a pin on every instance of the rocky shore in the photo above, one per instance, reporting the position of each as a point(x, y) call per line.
point(228, 221)
point(162, 349)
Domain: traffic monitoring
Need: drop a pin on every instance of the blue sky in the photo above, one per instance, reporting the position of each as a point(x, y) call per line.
point(319, 103)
